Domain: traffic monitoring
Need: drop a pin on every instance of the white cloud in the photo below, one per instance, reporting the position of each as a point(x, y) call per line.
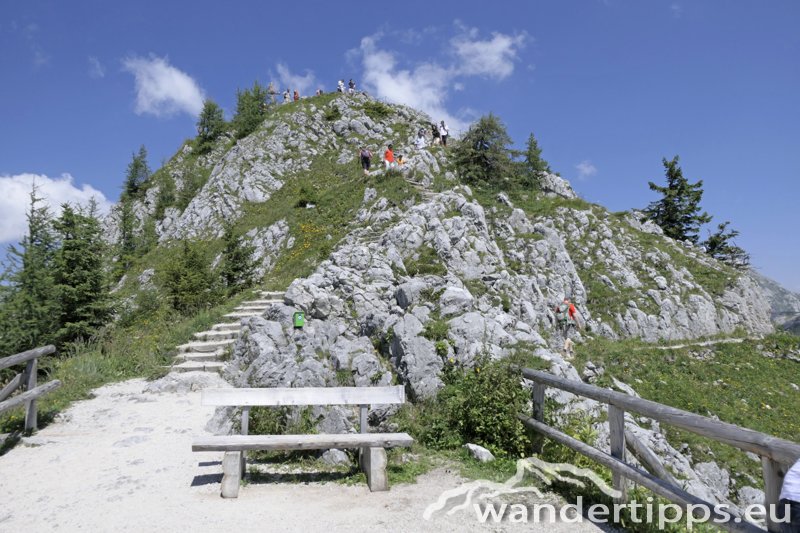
point(163, 90)
point(427, 85)
point(303, 84)
point(15, 199)
point(490, 57)
point(676, 9)
point(96, 69)
point(585, 169)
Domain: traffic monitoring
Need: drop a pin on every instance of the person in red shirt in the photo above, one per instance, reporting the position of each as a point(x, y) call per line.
point(296, 95)
point(388, 157)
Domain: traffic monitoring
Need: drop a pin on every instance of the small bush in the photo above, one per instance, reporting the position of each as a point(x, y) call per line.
point(377, 110)
point(436, 330)
point(333, 114)
point(427, 262)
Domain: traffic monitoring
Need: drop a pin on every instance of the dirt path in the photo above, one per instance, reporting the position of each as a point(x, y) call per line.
point(122, 461)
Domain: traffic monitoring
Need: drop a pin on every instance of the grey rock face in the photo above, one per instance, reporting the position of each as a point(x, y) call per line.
point(784, 304)
point(553, 185)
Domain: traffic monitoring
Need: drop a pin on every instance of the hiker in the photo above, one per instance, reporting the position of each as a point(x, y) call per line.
point(296, 95)
point(271, 91)
point(340, 86)
point(445, 132)
point(566, 316)
point(569, 349)
point(790, 497)
point(420, 142)
point(400, 161)
point(286, 96)
point(351, 87)
point(366, 159)
point(437, 136)
point(319, 92)
point(388, 157)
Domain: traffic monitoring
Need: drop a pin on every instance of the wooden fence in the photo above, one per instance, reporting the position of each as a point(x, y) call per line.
point(26, 380)
point(777, 455)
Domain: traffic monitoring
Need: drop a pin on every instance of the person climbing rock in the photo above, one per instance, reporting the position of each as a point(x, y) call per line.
point(437, 136)
point(566, 316)
point(366, 159)
point(296, 95)
point(388, 157)
point(351, 86)
point(444, 131)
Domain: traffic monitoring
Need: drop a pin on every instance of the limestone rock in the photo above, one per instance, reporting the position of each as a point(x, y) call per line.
point(479, 453)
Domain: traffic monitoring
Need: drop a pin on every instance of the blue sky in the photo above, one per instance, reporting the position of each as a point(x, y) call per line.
point(608, 88)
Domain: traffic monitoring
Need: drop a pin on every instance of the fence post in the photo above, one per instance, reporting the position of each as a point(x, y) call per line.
point(537, 400)
point(30, 384)
point(616, 428)
point(773, 480)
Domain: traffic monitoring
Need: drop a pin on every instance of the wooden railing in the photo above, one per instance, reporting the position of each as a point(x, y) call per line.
point(777, 455)
point(26, 380)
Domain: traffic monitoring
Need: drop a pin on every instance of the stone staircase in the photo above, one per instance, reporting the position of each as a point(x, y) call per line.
point(203, 353)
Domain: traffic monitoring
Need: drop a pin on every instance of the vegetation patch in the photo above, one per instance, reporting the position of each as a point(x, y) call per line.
point(425, 261)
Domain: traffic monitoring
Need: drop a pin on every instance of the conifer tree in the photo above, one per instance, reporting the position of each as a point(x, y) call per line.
point(483, 155)
point(237, 262)
point(79, 277)
point(533, 165)
point(251, 109)
point(210, 125)
point(188, 280)
point(720, 245)
point(29, 302)
point(678, 212)
point(137, 174)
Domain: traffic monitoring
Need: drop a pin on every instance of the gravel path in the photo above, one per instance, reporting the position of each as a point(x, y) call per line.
point(122, 461)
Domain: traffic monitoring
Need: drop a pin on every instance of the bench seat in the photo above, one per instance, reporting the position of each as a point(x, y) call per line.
point(229, 443)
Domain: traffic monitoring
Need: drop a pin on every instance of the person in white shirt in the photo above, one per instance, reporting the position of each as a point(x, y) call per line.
point(790, 495)
point(444, 132)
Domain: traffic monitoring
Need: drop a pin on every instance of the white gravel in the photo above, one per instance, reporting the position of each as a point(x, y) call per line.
point(122, 461)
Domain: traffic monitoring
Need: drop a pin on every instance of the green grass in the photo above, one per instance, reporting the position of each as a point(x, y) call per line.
point(425, 261)
point(736, 383)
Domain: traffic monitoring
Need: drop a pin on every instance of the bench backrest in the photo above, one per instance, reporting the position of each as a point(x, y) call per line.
point(278, 396)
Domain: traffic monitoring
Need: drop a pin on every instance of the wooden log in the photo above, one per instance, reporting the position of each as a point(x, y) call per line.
point(11, 386)
point(537, 404)
point(24, 357)
point(226, 443)
point(363, 410)
point(780, 450)
point(279, 396)
point(31, 419)
point(616, 428)
point(658, 486)
point(774, 473)
point(20, 399)
point(648, 459)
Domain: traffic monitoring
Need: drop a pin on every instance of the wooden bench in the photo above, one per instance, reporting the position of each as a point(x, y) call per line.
point(372, 453)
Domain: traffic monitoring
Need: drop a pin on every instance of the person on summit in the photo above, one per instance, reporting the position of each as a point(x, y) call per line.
point(388, 157)
point(286, 96)
point(271, 91)
point(351, 87)
point(445, 132)
point(296, 95)
point(340, 86)
point(437, 136)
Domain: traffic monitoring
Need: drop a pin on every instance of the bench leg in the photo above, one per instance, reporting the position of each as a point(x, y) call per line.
point(232, 468)
point(373, 463)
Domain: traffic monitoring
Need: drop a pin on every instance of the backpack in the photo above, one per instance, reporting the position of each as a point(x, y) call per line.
point(366, 154)
point(562, 312)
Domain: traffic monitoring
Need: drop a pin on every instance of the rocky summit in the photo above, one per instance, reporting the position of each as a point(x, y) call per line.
point(420, 270)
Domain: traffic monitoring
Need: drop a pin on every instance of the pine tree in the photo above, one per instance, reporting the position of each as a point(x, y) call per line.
point(210, 125)
point(483, 155)
point(533, 165)
point(188, 281)
point(237, 262)
point(251, 109)
point(678, 211)
point(137, 174)
point(30, 303)
point(80, 281)
point(720, 245)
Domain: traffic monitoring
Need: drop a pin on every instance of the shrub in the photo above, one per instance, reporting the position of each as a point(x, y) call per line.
point(333, 114)
point(188, 281)
point(377, 110)
point(427, 262)
point(478, 405)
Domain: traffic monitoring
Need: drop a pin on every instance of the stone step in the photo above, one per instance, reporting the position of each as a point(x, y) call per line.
point(199, 357)
point(242, 314)
point(205, 346)
point(251, 307)
point(227, 326)
point(265, 301)
point(213, 335)
point(272, 294)
point(198, 367)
